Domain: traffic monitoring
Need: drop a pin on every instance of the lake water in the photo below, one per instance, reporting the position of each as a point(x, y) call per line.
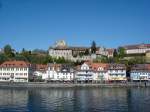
point(75, 100)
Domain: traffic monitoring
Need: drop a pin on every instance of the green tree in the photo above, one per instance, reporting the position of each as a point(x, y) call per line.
point(8, 51)
point(86, 52)
point(102, 59)
point(3, 58)
point(47, 59)
point(81, 54)
point(23, 50)
point(20, 57)
point(93, 47)
point(115, 54)
point(121, 52)
point(61, 60)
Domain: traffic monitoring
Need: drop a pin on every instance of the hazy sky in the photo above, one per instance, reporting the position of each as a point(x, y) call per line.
point(39, 23)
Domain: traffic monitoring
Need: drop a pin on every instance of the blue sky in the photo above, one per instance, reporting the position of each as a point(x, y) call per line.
point(34, 24)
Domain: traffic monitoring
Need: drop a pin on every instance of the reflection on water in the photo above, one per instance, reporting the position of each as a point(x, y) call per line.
point(75, 100)
point(13, 100)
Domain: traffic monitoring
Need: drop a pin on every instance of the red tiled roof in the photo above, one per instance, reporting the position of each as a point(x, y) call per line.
point(15, 64)
point(95, 66)
point(56, 66)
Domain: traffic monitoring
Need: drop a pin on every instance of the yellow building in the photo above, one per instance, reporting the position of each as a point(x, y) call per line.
point(147, 56)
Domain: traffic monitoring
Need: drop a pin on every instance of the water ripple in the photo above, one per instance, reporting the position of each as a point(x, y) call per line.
point(75, 100)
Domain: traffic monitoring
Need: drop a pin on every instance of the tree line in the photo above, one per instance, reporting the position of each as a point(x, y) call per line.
point(38, 56)
point(35, 56)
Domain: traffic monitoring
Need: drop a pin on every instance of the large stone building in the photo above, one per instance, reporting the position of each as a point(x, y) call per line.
point(141, 51)
point(60, 49)
point(137, 49)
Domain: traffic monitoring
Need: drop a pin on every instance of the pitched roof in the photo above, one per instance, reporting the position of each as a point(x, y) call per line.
point(15, 64)
point(110, 51)
point(54, 65)
point(137, 46)
point(96, 66)
point(141, 67)
point(71, 48)
point(115, 66)
point(41, 67)
point(61, 67)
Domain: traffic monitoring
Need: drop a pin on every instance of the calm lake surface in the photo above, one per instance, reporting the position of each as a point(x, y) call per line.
point(75, 100)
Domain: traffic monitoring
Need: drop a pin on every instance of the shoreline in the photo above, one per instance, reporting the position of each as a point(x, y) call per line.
point(70, 85)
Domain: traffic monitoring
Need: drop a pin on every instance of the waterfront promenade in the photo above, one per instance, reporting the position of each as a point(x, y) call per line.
point(71, 85)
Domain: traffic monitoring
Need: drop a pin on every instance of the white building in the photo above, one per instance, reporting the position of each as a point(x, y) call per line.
point(84, 73)
point(59, 72)
point(137, 49)
point(101, 51)
point(61, 52)
point(100, 71)
point(92, 72)
point(40, 71)
point(117, 72)
point(110, 52)
point(16, 71)
point(140, 72)
point(51, 72)
point(60, 49)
